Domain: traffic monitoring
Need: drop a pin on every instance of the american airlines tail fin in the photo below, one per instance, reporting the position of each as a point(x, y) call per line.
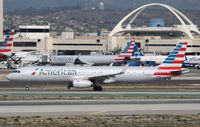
point(172, 65)
point(136, 50)
point(7, 44)
point(127, 52)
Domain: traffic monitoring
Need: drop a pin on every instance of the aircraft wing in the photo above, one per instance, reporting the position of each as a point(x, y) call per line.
point(102, 78)
point(108, 76)
point(78, 61)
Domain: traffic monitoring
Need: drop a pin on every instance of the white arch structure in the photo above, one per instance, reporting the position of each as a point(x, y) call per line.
point(179, 15)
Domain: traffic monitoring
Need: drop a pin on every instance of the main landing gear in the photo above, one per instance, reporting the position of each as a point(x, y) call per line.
point(97, 88)
point(27, 88)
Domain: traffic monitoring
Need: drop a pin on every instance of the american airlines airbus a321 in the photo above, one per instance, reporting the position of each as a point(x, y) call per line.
point(87, 76)
point(125, 54)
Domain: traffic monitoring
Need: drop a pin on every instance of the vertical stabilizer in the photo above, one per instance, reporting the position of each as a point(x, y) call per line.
point(172, 65)
point(7, 44)
point(127, 52)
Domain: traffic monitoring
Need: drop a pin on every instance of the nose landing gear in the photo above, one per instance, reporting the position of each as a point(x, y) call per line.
point(27, 88)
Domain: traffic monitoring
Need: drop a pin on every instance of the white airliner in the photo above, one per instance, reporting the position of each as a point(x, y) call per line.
point(6, 51)
point(125, 54)
point(87, 76)
point(7, 45)
point(158, 59)
point(189, 59)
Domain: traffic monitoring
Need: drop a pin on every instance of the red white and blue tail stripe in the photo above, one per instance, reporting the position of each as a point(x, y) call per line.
point(126, 52)
point(172, 65)
point(7, 43)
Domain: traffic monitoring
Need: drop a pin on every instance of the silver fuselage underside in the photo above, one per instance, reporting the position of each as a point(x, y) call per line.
point(68, 74)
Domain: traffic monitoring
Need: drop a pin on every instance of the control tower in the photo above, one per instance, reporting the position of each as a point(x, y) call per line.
point(101, 5)
point(1, 18)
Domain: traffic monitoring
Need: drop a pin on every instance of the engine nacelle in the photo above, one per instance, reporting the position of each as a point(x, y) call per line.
point(81, 83)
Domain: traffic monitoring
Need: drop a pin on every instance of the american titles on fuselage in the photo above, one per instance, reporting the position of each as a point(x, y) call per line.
point(56, 72)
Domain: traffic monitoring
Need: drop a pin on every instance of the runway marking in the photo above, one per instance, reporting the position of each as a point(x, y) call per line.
point(99, 112)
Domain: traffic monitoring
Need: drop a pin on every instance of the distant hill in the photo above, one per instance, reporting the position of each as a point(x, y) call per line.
point(11, 5)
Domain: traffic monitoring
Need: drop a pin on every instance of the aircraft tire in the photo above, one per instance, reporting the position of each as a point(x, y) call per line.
point(27, 88)
point(97, 88)
point(68, 87)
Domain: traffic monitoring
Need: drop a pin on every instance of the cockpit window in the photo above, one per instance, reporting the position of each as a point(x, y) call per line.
point(17, 71)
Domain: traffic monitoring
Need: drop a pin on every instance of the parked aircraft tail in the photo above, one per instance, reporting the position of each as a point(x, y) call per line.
point(7, 43)
point(172, 65)
point(127, 52)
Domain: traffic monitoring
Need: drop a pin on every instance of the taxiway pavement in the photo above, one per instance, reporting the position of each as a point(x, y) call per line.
point(98, 107)
point(99, 94)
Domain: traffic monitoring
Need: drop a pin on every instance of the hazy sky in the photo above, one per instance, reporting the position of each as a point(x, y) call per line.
point(21, 4)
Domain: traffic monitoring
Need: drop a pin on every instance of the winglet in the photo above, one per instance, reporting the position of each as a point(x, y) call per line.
point(124, 69)
point(111, 64)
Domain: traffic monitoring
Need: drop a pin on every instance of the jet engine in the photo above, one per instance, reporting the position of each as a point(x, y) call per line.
point(81, 83)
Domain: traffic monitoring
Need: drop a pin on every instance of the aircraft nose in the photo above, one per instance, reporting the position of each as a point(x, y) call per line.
point(10, 77)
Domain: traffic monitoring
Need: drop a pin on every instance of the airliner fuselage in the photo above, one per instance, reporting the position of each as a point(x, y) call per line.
point(68, 74)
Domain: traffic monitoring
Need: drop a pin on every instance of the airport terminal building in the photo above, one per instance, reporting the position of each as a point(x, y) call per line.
point(37, 38)
point(156, 37)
